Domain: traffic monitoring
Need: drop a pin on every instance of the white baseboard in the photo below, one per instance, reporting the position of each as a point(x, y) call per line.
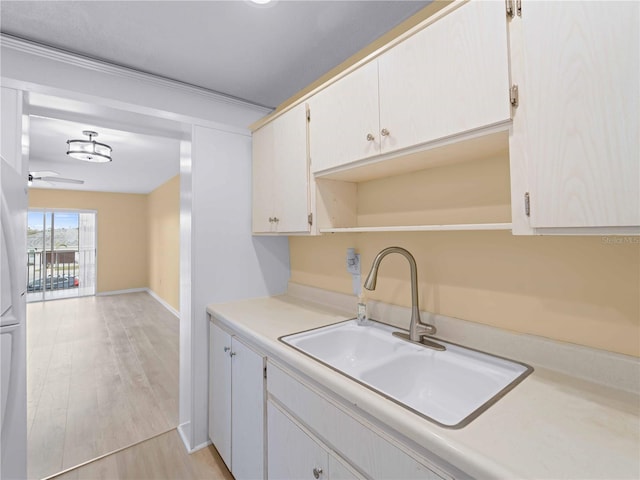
point(201, 446)
point(120, 292)
point(163, 303)
point(182, 430)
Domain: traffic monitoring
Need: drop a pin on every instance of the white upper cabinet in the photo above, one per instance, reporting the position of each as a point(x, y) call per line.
point(281, 175)
point(555, 86)
point(575, 140)
point(263, 191)
point(451, 77)
point(344, 120)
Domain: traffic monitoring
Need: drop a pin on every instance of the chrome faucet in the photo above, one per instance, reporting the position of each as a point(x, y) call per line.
point(417, 329)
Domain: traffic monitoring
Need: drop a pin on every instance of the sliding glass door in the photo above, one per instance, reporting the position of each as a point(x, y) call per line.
point(87, 253)
point(61, 254)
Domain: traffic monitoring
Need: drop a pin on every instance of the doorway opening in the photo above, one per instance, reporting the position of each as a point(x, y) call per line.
point(61, 254)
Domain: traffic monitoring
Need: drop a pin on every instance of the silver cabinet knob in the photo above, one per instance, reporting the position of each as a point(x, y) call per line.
point(370, 137)
point(226, 349)
point(317, 472)
point(270, 219)
point(276, 219)
point(384, 132)
point(232, 354)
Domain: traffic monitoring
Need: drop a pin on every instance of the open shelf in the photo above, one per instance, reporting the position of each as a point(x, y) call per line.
point(466, 192)
point(422, 228)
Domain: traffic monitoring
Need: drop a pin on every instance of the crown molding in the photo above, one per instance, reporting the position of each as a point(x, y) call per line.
point(32, 48)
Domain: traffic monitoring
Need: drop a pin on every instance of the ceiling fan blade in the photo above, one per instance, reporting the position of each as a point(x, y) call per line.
point(39, 182)
point(61, 180)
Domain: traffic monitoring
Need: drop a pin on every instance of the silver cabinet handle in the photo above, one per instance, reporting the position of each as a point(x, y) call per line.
point(317, 472)
point(370, 137)
point(271, 220)
point(232, 354)
point(276, 219)
point(226, 349)
point(384, 132)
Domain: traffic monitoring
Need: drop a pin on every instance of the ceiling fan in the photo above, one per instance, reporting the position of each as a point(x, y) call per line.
point(49, 177)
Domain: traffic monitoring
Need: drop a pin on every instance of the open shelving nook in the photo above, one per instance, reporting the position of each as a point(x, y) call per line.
point(454, 186)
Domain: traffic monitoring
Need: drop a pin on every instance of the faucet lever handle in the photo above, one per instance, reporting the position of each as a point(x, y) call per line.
point(425, 328)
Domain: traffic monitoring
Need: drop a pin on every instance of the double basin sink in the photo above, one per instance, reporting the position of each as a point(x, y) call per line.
point(449, 388)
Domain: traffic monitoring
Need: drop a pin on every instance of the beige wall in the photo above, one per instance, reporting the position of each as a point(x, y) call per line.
point(138, 236)
point(583, 290)
point(122, 233)
point(164, 241)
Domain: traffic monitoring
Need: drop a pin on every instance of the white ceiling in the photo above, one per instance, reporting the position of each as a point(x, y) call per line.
point(261, 54)
point(147, 159)
point(141, 162)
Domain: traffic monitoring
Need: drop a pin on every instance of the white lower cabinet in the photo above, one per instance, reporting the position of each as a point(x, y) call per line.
point(293, 453)
point(289, 427)
point(237, 404)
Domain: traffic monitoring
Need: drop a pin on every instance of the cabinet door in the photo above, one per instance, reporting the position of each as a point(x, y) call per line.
point(291, 171)
point(262, 176)
point(342, 116)
point(247, 412)
point(292, 453)
point(220, 392)
point(338, 470)
point(579, 98)
point(363, 447)
point(450, 78)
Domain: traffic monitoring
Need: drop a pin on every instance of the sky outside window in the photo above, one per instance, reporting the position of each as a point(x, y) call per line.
point(65, 225)
point(62, 220)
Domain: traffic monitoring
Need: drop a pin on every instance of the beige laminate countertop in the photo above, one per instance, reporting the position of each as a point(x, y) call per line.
point(550, 426)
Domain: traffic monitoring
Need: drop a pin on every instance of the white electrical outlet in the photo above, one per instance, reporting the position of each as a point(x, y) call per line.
point(353, 261)
point(353, 267)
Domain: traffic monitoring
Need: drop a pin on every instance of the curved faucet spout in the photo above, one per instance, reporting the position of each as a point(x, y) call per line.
point(417, 329)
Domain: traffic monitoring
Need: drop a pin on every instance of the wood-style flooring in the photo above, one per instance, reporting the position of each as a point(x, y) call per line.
point(102, 374)
point(160, 458)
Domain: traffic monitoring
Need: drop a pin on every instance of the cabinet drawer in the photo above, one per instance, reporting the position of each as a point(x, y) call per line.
point(294, 453)
point(367, 450)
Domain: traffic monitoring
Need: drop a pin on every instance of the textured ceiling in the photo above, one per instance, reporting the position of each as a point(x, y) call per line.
point(263, 54)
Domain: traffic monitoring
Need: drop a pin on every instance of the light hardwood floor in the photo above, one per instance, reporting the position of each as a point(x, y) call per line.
point(102, 374)
point(160, 458)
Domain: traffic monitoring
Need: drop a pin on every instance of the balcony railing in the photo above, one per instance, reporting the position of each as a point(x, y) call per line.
point(52, 270)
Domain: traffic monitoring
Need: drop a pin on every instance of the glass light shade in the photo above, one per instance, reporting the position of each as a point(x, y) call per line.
point(262, 3)
point(89, 151)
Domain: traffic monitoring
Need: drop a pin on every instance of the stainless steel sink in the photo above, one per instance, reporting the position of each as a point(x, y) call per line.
point(450, 387)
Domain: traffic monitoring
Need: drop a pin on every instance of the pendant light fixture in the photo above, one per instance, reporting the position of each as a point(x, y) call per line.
point(89, 150)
